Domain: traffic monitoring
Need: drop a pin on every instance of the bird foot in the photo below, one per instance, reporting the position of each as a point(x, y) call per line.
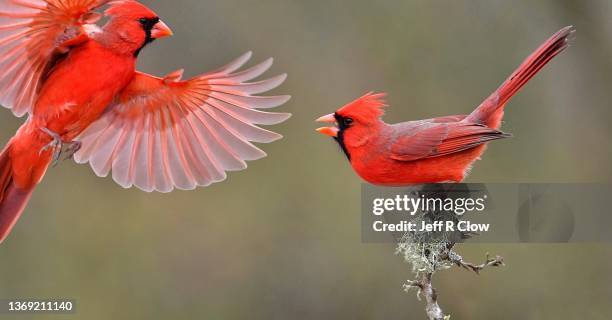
point(55, 145)
point(58, 146)
point(72, 148)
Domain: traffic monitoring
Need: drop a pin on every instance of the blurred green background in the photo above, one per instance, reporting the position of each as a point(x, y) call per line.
point(281, 240)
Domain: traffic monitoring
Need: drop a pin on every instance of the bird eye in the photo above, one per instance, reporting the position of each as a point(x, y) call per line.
point(347, 121)
point(143, 20)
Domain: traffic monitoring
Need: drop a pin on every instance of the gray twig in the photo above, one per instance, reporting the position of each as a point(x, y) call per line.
point(456, 259)
point(432, 308)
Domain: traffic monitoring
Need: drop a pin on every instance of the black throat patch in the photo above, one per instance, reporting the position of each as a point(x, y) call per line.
point(147, 25)
point(340, 137)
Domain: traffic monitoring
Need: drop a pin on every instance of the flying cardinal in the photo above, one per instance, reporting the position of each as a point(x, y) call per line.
point(78, 85)
point(429, 151)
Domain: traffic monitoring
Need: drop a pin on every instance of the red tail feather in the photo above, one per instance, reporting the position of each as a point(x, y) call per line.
point(13, 200)
point(491, 111)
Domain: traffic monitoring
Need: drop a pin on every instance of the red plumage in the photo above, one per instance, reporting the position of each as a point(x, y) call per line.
point(79, 86)
point(434, 150)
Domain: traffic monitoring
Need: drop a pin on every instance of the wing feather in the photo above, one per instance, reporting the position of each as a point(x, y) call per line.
point(440, 138)
point(142, 158)
point(230, 67)
point(164, 133)
point(250, 73)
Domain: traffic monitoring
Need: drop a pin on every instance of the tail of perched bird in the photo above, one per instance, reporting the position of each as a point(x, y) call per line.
point(491, 111)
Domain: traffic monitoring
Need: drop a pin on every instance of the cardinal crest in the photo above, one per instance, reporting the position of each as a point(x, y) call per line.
point(369, 106)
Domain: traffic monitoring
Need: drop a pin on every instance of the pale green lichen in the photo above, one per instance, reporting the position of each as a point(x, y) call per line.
point(425, 251)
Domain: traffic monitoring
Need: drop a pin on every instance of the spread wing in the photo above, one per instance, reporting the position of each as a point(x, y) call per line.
point(165, 133)
point(435, 139)
point(34, 34)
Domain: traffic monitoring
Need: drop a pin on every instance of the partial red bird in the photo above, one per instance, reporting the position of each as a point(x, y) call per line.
point(78, 85)
point(434, 150)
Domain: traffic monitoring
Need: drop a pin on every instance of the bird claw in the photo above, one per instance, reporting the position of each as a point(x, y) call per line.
point(58, 146)
point(55, 145)
point(72, 148)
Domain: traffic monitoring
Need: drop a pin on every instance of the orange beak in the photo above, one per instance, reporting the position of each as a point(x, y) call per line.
point(328, 131)
point(161, 30)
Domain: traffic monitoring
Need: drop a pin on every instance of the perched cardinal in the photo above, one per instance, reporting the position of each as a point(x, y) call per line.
point(429, 151)
point(78, 85)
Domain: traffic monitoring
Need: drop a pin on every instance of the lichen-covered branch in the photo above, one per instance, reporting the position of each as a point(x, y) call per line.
point(431, 251)
point(424, 282)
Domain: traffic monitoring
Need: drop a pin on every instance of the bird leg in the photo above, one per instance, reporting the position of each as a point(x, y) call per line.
point(58, 146)
point(55, 145)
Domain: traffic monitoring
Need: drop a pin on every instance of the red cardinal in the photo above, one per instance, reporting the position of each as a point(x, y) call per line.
point(429, 151)
point(78, 84)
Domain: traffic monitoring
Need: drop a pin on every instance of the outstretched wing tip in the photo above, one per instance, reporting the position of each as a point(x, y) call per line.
point(277, 138)
point(19, 113)
point(283, 76)
point(276, 101)
point(245, 57)
point(283, 116)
